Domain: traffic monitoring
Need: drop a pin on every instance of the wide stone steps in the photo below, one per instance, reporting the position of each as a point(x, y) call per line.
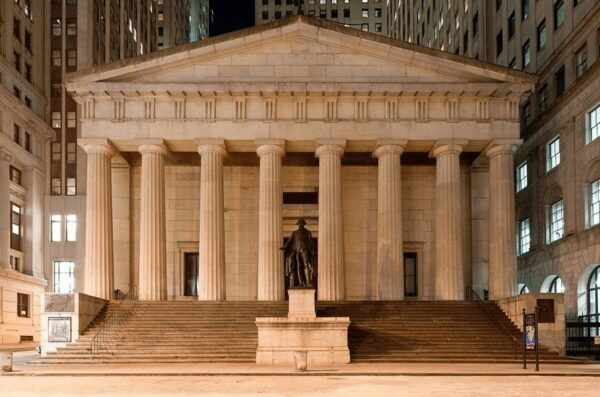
point(196, 331)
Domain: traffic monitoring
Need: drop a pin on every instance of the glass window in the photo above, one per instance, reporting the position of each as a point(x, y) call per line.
point(475, 23)
point(499, 43)
point(541, 34)
point(55, 187)
point(522, 176)
point(71, 187)
point(523, 289)
point(559, 81)
point(556, 286)
point(56, 58)
point(16, 229)
point(64, 278)
point(410, 274)
point(378, 27)
point(526, 54)
point(364, 27)
point(55, 228)
point(581, 61)
point(553, 153)
point(71, 58)
point(595, 203)
point(17, 134)
point(22, 305)
point(378, 15)
point(71, 223)
point(527, 113)
point(513, 63)
point(593, 297)
point(365, 13)
point(15, 175)
point(56, 27)
point(543, 97)
point(56, 120)
point(557, 222)
point(71, 152)
point(71, 27)
point(524, 236)
point(71, 120)
point(559, 14)
point(524, 9)
point(511, 25)
point(593, 127)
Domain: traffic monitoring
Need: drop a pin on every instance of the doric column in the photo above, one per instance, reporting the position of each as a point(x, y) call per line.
point(34, 182)
point(98, 213)
point(390, 256)
point(270, 234)
point(211, 244)
point(5, 159)
point(153, 244)
point(449, 277)
point(502, 273)
point(331, 233)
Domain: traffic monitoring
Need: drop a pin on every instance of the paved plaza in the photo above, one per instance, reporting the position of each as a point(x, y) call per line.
point(419, 379)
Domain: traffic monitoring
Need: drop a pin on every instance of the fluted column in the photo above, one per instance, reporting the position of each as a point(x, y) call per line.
point(331, 238)
point(270, 229)
point(449, 277)
point(390, 256)
point(211, 244)
point(502, 274)
point(98, 213)
point(153, 244)
point(5, 159)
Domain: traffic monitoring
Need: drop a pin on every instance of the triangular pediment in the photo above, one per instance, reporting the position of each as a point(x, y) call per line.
point(301, 50)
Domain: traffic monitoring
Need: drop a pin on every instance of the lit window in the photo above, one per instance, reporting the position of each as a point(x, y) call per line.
point(56, 120)
point(71, 187)
point(55, 187)
point(557, 222)
point(524, 9)
point(71, 223)
point(556, 286)
point(524, 237)
point(593, 121)
point(365, 13)
point(595, 203)
point(64, 279)
point(553, 153)
point(55, 227)
point(16, 229)
point(364, 27)
point(581, 61)
point(526, 54)
point(56, 27)
point(522, 176)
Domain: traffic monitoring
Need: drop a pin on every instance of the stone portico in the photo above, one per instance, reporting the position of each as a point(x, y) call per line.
point(409, 150)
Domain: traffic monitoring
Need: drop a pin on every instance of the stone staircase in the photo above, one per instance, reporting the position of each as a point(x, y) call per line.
point(194, 331)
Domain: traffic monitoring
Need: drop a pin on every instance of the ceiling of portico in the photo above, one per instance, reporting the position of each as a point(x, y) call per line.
point(300, 54)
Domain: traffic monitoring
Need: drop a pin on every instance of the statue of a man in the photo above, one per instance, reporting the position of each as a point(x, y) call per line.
point(299, 252)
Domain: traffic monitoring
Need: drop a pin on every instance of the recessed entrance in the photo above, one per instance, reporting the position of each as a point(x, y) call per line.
point(190, 269)
point(410, 274)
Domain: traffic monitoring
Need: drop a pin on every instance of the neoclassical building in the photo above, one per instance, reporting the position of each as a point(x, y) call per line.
point(200, 159)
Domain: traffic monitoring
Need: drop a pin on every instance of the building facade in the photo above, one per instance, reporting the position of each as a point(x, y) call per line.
point(366, 15)
point(557, 180)
point(24, 136)
point(399, 159)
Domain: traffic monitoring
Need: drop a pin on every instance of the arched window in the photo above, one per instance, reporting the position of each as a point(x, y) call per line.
point(593, 295)
point(556, 286)
point(523, 289)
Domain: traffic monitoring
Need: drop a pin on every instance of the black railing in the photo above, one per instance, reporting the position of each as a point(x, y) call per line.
point(115, 318)
point(471, 295)
point(581, 332)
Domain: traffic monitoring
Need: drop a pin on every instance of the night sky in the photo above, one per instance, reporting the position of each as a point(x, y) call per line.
point(230, 15)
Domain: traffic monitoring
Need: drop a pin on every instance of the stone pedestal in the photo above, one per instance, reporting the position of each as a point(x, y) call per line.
point(6, 358)
point(324, 339)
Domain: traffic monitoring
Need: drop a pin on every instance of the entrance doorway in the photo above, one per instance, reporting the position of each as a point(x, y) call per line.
point(190, 274)
point(286, 280)
point(410, 274)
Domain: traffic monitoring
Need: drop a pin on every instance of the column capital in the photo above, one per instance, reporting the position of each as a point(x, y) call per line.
point(502, 146)
point(389, 146)
point(97, 145)
point(153, 146)
point(335, 146)
point(5, 155)
point(446, 146)
point(266, 146)
point(212, 146)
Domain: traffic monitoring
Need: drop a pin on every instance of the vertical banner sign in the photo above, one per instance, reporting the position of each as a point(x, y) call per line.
point(530, 337)
point(530, 334)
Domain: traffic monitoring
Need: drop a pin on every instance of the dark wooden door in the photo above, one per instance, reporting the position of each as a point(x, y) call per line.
point(190, 265)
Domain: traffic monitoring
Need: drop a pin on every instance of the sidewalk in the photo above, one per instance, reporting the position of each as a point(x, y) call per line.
point(21, 368)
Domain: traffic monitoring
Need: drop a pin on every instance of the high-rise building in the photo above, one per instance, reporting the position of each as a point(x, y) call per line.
point(366, 15)
point(557, 169)
point(182, 21)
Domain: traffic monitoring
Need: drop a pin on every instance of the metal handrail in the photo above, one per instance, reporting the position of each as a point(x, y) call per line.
point(471, 295)
point(116, 318)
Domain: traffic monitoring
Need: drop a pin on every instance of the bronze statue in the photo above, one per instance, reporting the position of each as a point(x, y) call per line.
point(299, 252)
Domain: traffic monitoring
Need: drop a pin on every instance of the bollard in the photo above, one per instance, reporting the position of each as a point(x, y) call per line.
point(6, 358)
point(300, 358)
